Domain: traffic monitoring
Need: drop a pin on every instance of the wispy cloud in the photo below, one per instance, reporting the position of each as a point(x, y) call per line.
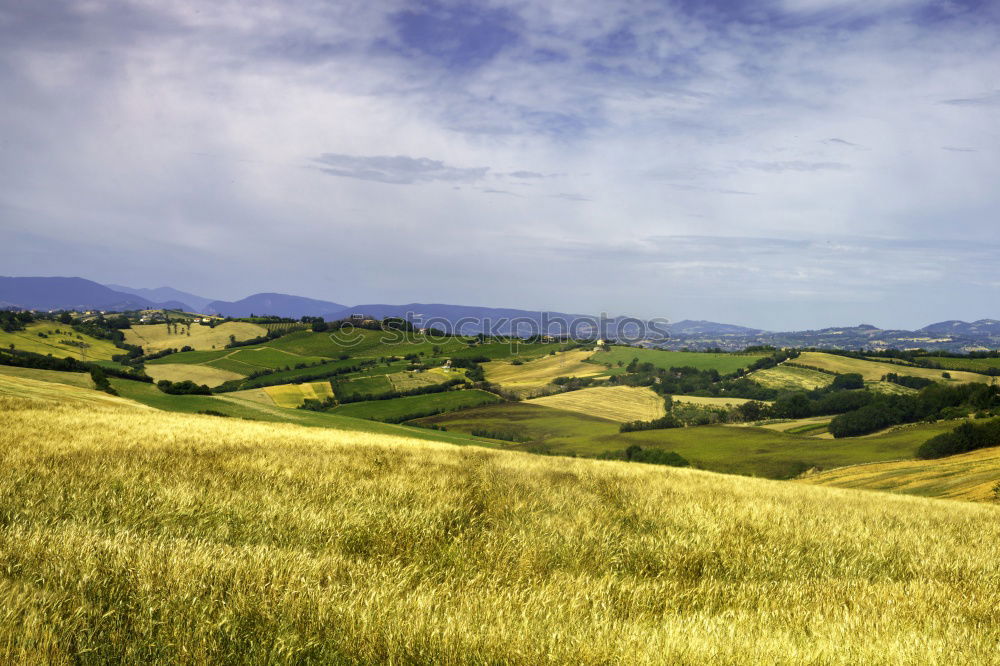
point(396, 170)
point(985, 99)
point(793, 165)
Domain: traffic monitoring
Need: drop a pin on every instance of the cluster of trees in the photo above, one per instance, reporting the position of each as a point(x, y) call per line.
point(967, 437)
point(636, 453)
point(100, 379)
point(186, 387)
point(11, 321)
point(690, 380)
point(931, 403)
point(502, 435)
point(907, 381)
point(473, 370)
point(23, 359)
point(668, 421)
point(271, 335)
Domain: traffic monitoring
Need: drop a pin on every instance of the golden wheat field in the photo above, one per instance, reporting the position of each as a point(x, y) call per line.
point(789, 378)
point(540, 372)
point(293, 395)
point(157, 337)
point(199, 374)
point(617, 403)
point(873, 371)
point(973, 476)
point(136, 536)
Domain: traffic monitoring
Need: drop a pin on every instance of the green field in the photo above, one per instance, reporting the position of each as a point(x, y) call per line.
point(60, 341)
point(373, 386)
point(724, 363)
point(291, 376)
point(241, 360)
point(414, 406)
point(738, 450)
point(970, 364)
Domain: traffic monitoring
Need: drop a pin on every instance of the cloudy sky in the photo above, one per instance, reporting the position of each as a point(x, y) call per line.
point(779, 164)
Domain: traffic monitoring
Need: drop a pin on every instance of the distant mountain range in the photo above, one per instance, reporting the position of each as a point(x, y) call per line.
point(71, 293)
point(167, 295)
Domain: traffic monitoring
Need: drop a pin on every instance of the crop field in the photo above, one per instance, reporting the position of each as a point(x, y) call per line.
point(60, 341)
point(293, 395)
point(147, 537)
point(812, 425)
point(872, 371)
point(405, 381)
point(788, 378)
point(28, 385)
point(970, 364)
point(199, 374)
point(615, 403)
point(737, 450)
point(157, 337)
point(374, 385)
point(540, 372)
point(890, 388)
point(970, 476)
point(499, 351)
point(416, 405)
point(710, 401)
point(362, 343)
point(724, 363)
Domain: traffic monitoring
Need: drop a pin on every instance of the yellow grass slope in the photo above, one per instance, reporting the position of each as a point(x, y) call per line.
point(150, 537)
point(873, 371)
point(540, 372)
point(293, 395)
point(970, 476)
point(65, 342)
point(157, 337)
point(199, 374)
point(788, 378)
point(617, 403)
point(12, 386)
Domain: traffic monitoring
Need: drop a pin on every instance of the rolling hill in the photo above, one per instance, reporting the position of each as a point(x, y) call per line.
point(138, 536)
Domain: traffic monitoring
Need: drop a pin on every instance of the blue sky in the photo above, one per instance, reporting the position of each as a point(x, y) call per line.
point(785, 164)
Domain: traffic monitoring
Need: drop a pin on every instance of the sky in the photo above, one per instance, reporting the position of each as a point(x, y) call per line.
point(781, 164)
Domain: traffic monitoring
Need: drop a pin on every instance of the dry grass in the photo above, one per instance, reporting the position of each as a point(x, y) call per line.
point(157, 337)
point(134, 536)
point(66, 342)
point(712, 402)
point(873, 371)
point(25, 387)
point(199, 374)
point(540, 372)
point(970, 476)
point(788, 378)
point(617, 403)
point(293, 395)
